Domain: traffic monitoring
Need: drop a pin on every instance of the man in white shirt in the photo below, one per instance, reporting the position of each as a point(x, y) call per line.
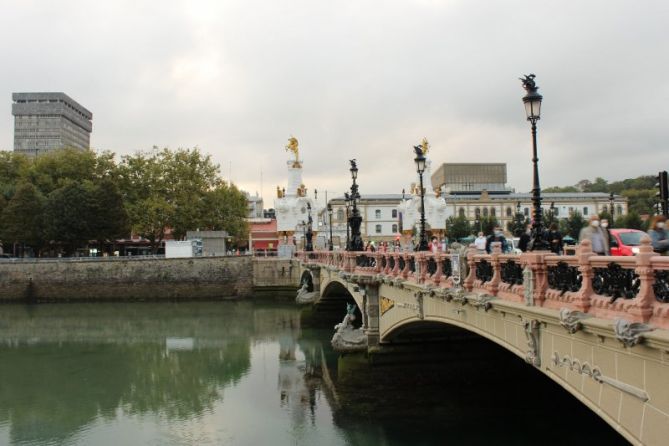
point(480, 242)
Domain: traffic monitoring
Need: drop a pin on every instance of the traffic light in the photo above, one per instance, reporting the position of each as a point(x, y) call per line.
point(663, 192)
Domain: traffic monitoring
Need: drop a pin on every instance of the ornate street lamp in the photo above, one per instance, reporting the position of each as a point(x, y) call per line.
point(532, 101)
point(330, 225)
point(613, 218)
point(309, 235)
point(420, 168)
point(355, 220)
point(552, 211)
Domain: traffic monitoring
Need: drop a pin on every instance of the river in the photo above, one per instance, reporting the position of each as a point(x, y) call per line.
point(249, 373)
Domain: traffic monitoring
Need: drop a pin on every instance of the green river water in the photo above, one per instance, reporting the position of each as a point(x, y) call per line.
point(245, 373)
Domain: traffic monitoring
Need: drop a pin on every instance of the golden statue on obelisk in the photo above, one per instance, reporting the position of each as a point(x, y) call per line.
point(292, 146)
point(425, 146)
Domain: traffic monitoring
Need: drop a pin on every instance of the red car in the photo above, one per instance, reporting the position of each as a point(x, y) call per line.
point(625, 242)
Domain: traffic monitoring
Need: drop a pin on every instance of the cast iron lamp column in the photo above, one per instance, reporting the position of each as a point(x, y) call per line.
point(355, 220)
point(420, 168)
point(532, 101)
point(613, 219)
point(330, 224)
point(309, 235)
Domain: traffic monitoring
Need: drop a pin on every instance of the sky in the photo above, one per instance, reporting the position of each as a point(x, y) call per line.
point(356, 79)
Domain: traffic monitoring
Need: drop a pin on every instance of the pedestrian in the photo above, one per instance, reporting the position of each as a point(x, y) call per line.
point(658, 235)
point(555, 239)
point(480, 243)
point(598, 238)
point(496, 236)
point(434, 245)
point(525, 237)
point(604, 223)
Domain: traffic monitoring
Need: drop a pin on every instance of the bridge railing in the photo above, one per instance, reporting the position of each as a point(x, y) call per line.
point(635, 288)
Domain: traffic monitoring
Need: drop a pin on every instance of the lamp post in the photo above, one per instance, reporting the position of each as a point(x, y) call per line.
point(532, 101)
point(611, 200)
point(309, 235)
point(552, 212)
point(355, 219)
point(347, 201)
point(420, 168)
point(330, 224)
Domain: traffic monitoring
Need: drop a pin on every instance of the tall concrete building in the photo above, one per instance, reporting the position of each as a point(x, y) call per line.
point(49, 121)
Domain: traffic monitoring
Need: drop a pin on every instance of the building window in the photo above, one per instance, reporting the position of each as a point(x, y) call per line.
point(571, 210)
point(340, 214)
point(556, 212)
point(394, 213)
point(492, 212)
point(477, 212)
point(394, 229)
point(485, 212)
point(526, 211)
point(461, 212)
point(605, 208)
point(585, 211)
point(619, 210)
point(509, 212)
point(378, 229)
point(377, 213)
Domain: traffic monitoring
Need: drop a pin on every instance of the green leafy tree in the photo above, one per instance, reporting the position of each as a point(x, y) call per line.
point(225, 209)
point(561, 189)
point(487, 224)
point(107, 216)
point(632, 221)
point(22, 218)
point(572, 225)
point(518, 224)
point(59, 168)
point(13, 170)
point(66, 216)
point(458, 227)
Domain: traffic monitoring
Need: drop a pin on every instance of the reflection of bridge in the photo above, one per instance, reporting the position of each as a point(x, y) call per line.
point(598, 326)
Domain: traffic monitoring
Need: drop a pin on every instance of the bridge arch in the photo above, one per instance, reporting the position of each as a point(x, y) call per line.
point(408, 324)
point(308, 280)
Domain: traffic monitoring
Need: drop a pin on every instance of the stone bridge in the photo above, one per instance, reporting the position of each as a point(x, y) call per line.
point(596, 325)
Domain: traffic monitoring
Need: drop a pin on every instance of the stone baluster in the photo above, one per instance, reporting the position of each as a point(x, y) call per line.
point(349, 261)
point(438, 274)
point(493, 284)
point(421, 266)
point(377, 262)
point(396, 267)
point(468, 284)
point(581, 299)
point(645, 299)
point(405, 271)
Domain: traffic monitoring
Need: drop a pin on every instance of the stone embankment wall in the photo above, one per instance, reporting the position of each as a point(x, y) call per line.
point(131, 279)
point(275, 277)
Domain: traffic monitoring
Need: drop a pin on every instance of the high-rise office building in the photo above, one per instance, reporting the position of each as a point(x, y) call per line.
point(48, 121)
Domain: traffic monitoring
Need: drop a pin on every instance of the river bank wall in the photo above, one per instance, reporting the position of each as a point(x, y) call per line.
point(59, 280)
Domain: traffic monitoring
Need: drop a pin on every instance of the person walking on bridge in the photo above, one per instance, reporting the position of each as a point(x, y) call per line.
point(598, 238)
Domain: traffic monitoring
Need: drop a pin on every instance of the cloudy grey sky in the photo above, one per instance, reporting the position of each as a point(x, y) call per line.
point(355, 79)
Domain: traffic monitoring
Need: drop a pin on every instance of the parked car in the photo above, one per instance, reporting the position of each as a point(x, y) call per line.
point(625, 242)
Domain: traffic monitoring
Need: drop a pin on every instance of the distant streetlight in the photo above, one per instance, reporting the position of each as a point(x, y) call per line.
point(309, 235)
point(420, 168)
point(611, 202)
point(532, 101)
point(355, 220)
point(330, 225)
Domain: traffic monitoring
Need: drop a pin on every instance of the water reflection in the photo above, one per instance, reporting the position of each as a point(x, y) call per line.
point(239, 373)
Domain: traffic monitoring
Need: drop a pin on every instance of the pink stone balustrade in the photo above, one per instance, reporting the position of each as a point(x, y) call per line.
point(428, 269)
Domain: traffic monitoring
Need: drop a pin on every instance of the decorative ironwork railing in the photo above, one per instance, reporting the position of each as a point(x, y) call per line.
point(563, 278)
point(635, 288)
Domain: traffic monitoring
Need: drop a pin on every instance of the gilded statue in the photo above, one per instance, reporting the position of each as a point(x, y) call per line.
point(424, 145)
point(278, 192)
point(292, 146)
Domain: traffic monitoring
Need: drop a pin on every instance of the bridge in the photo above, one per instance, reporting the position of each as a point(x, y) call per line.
point(596, 325)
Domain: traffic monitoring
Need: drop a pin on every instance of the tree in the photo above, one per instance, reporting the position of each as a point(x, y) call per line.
point(59, 168)
point(13, 170)
point(631, 221)
point(561, 189)
point(107, 217)
point(458, 227)
point(225, 209)
point(518, 225)
point(22, 218)
point(66, 216)
point(487, 224)
point(572, 225)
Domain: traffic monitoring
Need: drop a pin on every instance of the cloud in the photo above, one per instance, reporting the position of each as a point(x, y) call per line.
point(355, 79)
